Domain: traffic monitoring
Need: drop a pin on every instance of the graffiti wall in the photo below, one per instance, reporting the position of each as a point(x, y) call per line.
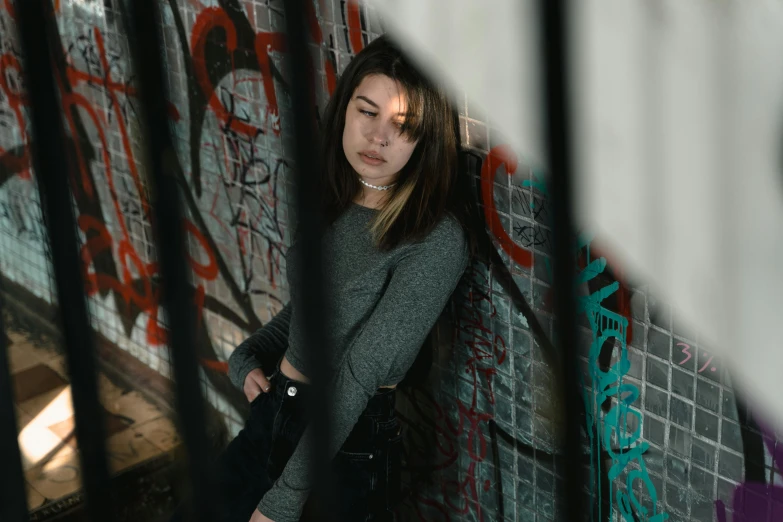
point(665, 437)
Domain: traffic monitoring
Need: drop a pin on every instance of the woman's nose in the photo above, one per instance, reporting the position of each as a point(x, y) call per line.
point(378, 135)
point(378, 139)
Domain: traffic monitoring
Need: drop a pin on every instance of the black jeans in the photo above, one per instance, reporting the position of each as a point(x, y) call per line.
point(367, 466)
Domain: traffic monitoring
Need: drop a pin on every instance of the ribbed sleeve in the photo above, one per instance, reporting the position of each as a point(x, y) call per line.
point(262, 349)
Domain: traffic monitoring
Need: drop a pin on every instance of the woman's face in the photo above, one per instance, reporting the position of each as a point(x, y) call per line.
point(372, 139)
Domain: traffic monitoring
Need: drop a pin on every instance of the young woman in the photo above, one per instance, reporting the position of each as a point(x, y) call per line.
point(396, 246)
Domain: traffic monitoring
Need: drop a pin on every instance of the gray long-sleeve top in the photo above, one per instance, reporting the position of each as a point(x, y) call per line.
point(385, 304)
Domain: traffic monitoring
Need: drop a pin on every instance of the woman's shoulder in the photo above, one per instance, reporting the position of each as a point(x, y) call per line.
point(447, 229)
point(447, 237)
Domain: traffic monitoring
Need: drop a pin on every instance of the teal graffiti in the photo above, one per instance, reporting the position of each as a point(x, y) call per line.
point(538, 183)
point(606, 326)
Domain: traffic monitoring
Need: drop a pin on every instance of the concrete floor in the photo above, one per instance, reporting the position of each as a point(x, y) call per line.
point(141, 441)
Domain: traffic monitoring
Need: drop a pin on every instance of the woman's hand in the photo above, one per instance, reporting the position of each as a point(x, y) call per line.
point(255, 384)
point(259, 517)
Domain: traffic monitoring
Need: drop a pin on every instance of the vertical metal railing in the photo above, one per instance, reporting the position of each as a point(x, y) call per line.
point(312, 299)
point(177, 293)
point(51, 164)
point(167, 219)
point(557, 131)
point(13, 501)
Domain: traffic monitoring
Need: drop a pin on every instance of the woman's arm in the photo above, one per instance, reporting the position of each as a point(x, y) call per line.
point(262, 349)
point(418, 291)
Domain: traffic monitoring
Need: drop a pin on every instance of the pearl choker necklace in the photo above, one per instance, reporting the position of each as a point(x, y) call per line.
point(377, 187)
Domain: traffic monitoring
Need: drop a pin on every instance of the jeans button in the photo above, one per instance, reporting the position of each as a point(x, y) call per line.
point(292, 391)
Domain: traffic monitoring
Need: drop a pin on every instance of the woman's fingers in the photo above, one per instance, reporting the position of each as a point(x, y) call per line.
point(261, 379)
point(251, 390)
point(255, 384)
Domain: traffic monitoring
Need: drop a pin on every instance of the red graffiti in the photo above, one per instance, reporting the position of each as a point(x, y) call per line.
point(502, 155)
point(218, 366)
point(134, 286)
point(265, 42)
point(317, 36)
point(100, 240)
point(120, 121)
point(354, 25)
point(16, 100)
point(216, 17)
point(75, 76)
point(487, 351)
point(208, 271)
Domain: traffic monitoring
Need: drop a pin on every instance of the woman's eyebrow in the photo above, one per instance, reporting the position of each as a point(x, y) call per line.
point(360, 97)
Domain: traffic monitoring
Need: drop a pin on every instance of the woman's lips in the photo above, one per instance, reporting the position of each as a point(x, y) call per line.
point(369, 160)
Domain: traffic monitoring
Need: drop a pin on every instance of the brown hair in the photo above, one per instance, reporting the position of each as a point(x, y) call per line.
point(427, 187)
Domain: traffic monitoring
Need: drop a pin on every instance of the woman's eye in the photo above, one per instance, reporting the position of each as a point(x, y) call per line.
point(367, 113)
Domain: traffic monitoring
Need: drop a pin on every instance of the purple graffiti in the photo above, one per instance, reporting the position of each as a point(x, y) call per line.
point(754, 501)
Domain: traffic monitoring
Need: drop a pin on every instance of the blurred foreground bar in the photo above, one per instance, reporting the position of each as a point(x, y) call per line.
point(51, 163)
point(177, 292)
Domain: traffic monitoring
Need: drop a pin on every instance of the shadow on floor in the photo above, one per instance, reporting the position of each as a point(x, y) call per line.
point(142, 443)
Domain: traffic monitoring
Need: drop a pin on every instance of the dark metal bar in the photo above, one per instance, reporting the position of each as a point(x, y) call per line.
point(752, 442)
point(557, 125)
point(13, 497)
point(51, 164)
point(311, 298)
point(177, 292)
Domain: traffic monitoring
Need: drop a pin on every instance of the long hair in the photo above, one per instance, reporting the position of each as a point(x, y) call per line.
point(427, 187)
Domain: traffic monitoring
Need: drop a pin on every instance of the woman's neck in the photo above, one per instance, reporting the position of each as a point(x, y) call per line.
point(371, 198)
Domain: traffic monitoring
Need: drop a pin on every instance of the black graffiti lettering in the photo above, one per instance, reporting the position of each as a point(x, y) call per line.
point(532, 236)
point(530, 205)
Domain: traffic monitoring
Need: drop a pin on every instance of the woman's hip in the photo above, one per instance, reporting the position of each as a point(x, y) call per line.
point(366, 469)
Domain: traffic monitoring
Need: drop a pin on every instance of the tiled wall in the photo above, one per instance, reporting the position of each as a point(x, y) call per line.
point(663, 436)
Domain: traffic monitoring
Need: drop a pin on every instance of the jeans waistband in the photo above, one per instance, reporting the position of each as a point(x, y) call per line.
point(380, 405)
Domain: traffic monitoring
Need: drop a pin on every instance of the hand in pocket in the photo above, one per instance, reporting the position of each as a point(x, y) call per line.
point(256, 383)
